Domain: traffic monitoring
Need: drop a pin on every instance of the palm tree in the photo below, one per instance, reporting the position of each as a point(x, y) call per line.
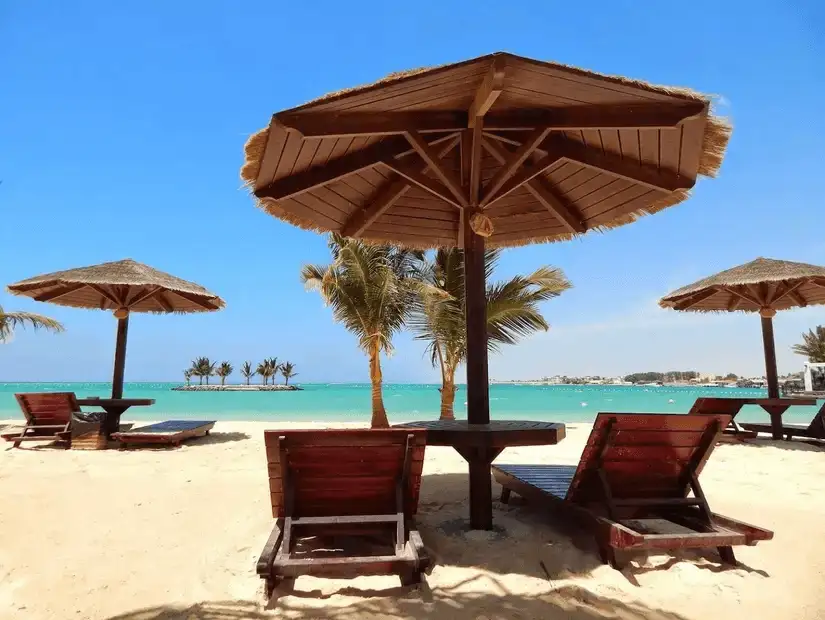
point(813, 345)
point(10, 320)
point(247, 371)
point(187, 376)
point(512, 311)
point(196, 370)
point(203, 367)
point(369, 289)
point(273, 367)
point(223, 371)
point(288, 371)
point(263, 370)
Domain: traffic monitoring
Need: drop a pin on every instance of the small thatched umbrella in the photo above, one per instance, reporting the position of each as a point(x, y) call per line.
point(123, 286)
point(499, 150)
point(764, 285)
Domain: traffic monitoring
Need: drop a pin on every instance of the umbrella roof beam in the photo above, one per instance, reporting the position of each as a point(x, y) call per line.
point(572, 118)
point(549, 197)
point(387, 196)
point(340, 167)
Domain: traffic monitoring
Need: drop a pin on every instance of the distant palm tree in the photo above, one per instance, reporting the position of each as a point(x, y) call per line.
point(223, 371)
point(203, 367)
point(196, 369)
point(264, 370)
point(187, 375)
point(10, 320)
point(288, 371)
point(813, 345)
point(247, 371)
point(273, 367)
point(512, 311)
point(368, 288)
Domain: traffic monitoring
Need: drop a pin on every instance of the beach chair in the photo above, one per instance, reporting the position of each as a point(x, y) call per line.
point(48, 417)
point(637, 486)
point(169, 433)
point(331, 490)
point(726, 406)
point(814, 430)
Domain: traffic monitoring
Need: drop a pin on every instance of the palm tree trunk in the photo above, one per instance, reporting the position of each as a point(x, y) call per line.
point(247, 380)
point(447, 390)
point(223, 380)
point(286, 380)
point(379, 414)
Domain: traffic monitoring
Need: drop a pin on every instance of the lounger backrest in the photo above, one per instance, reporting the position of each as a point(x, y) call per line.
point(344, 472)
point(727, 406)
point(48, 407)
point(644, 455)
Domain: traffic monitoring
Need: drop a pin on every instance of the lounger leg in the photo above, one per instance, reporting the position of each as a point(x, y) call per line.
point(505, 495)
point(727, 555)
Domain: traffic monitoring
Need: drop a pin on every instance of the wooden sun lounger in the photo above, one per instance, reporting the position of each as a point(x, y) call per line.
point(632, 486)
point(725, 406)
point(814, 430)
point(169, 433)
point(48, 417)
point(340, 486)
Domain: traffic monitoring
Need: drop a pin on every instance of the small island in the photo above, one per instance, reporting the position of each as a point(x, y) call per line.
point(236, 388)
point(203, 368)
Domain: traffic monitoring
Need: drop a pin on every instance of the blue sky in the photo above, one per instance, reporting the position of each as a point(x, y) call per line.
point(122, 127)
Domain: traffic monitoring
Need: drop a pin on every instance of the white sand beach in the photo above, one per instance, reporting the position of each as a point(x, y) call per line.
point(162, 534)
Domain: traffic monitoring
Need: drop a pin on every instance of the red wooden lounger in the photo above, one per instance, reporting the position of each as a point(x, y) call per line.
point(632, 484)
point(169, 433)
point(48, 417)
point(343, 482)
point(726, 406)
point(814, 430)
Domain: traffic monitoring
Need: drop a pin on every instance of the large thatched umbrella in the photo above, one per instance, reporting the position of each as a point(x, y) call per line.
point(123, 286)
point(764, 285)
point(499, 150)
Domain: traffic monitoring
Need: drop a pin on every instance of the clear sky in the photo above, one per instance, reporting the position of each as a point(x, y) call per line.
point(122, 126)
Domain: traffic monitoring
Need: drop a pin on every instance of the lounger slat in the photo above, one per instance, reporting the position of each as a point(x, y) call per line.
point(633, 485)
point(343, 483)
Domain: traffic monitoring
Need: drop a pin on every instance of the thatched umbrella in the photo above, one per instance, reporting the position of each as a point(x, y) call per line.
point(764, 285)
point(123, 286)
point(499, 150)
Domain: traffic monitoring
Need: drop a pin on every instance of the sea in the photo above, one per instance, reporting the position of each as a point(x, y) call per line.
point(350, 402)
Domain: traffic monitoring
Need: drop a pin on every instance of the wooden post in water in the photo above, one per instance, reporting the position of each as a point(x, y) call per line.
point(120, 356)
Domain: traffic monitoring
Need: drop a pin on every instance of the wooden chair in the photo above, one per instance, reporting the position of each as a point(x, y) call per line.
point(48, 417)
point(349, 484)
point(814, 430)
point(725, 406)
point(637, 486)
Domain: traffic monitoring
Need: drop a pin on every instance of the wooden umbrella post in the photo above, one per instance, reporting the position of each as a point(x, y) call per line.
point(120, 355)
point(478, 396)
point(771, 372)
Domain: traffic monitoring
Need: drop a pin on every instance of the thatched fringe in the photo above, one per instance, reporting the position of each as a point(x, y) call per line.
point(253, 156)
point(717, 135)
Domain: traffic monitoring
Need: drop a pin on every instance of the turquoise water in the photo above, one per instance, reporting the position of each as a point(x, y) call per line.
point(404, 402)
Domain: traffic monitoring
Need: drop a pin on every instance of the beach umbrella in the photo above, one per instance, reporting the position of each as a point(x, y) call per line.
point(764, 285)
point(495, 151)
point(124, 287)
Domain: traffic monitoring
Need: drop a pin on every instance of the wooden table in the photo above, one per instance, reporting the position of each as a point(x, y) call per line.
point(776, 407)
point(480, 444)
point(114, 408)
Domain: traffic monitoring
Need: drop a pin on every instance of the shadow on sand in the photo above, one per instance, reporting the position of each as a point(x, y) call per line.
point(565, 603)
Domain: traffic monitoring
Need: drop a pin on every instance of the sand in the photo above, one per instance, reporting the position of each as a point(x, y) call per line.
point(151, 534)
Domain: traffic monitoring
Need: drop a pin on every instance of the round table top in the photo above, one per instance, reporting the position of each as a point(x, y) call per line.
point(497, 433)
point(117, 402)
